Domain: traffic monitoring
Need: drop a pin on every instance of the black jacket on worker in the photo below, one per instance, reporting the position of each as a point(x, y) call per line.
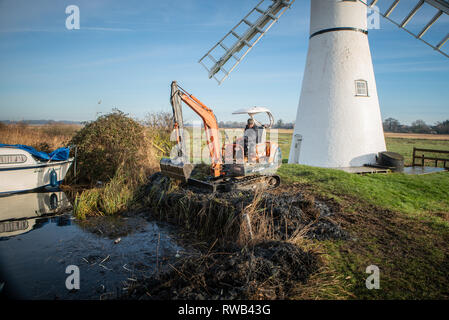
point(252, 136)
point(254, 133)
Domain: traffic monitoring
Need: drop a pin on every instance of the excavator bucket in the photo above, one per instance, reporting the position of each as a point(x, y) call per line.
point(178, 167)
point(176, 170)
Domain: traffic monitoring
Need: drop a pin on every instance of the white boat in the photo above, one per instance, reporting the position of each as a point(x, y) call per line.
point(20, 170)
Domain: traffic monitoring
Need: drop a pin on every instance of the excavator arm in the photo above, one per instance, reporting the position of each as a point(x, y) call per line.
point(179, 95)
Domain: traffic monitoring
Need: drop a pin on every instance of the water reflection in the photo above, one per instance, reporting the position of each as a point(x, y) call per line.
point(20, 213)
point(39, 238)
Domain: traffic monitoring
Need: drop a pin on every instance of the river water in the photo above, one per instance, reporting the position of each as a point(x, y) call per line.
point(38, 243)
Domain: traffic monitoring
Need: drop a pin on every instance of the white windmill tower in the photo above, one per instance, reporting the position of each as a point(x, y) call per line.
point(338, 121)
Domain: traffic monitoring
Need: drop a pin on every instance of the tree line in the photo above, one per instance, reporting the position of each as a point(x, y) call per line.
point(235, 124)
point(418, 126)
point(390, 125)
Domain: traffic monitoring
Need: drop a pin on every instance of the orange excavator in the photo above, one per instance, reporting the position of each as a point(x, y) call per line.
point(236, 165)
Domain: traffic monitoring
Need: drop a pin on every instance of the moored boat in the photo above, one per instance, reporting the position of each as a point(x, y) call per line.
point(22, 168)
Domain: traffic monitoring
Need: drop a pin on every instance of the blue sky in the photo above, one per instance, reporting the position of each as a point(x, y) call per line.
point(127, 53)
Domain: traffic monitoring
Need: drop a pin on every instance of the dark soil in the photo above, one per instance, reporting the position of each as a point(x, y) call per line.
point(267, 270)
point(293, 212)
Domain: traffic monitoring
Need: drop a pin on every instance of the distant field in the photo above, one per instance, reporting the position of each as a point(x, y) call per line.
point(418, 136)
point(400, 143)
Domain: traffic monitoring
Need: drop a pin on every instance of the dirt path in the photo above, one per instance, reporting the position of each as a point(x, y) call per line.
point(443, 137)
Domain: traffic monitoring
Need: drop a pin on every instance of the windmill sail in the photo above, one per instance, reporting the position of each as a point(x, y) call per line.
point(442, 7)
point(242, 38)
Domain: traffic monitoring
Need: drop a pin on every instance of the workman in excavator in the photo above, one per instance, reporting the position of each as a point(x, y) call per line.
point(252, 136)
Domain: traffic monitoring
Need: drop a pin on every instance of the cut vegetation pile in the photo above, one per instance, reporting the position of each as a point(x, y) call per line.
point(241, 215)
point(111, 143)
point(115, 154)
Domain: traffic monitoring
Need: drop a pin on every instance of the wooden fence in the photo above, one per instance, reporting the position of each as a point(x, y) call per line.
point(422, 157)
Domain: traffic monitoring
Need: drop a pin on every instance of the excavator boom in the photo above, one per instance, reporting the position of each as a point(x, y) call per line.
point(179, 167)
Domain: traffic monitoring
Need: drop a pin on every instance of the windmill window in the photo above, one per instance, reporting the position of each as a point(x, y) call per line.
point(361, 88)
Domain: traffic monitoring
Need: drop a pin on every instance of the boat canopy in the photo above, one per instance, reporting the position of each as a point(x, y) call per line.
point(60, 154)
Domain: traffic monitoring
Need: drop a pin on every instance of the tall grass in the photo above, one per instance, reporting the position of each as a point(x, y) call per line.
point(116, 196)
point(86, 203)
point(256, 223)
point(158, 128)
point(42, 137)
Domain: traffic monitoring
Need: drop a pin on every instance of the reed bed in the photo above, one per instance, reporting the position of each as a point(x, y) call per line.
point(41, 137)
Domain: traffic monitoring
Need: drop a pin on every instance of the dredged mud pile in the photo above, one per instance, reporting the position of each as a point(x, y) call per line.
point(268, 270)
point(285, 211)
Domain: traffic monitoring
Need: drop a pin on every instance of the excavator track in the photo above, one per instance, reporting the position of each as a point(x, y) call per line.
point(252, 182)
point(232, 184)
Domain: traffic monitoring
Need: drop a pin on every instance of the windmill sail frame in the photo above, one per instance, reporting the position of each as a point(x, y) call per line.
point(441, 5)
point(255, 30)
point(268, 17)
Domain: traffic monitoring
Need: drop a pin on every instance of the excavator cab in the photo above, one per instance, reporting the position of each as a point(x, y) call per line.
point(254, 140)
point(252, 153)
